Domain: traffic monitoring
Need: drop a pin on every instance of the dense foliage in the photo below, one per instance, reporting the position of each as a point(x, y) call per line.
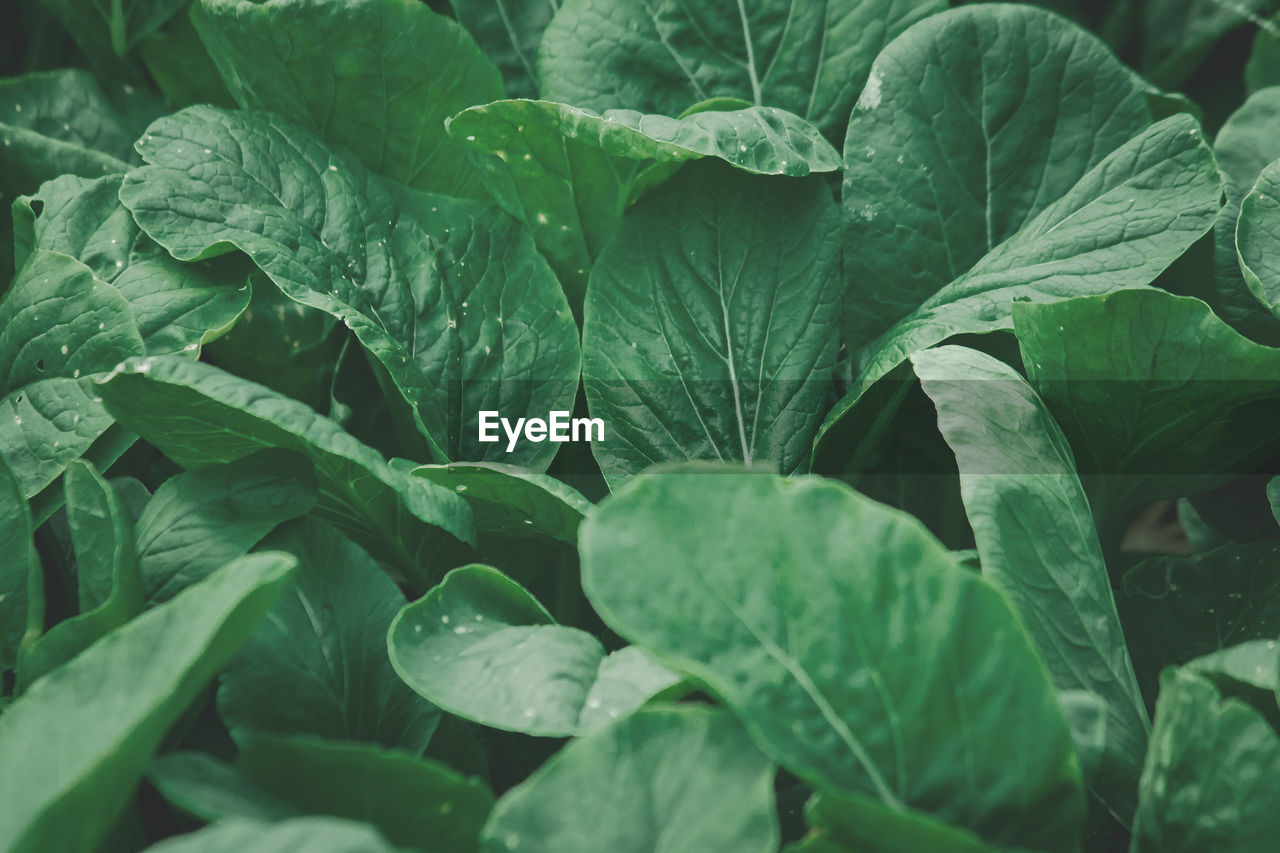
point(936, 353)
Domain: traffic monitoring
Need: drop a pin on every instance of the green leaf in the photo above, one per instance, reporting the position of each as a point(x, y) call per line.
point(772, 591)
point(313, 834)
point(842, 826)
point(511, 502)
point(204, 787)
point(77, 742)
point(102, 535)
point(1263, 68)
point(509, 32)
point(1257, 236)
point(1121, 225)
point(1125, 221)
point(710, 328)
point(1156, 394)
point(59, 325)
point(414, 802)
point(1246, 671)
point(482, 648)
point(68, 122)
point(1086, 715)
point(1176, 608)
point(569, 173)
point(683, 780)
point(451, 297)
point(805, 56)
point(976, 121)
point(177, 307)
point(18, 563)
point(1037, 542)
point(108, 32)
point(319, 665)
point(200, 519)
point(1177, 35)
point(198, 415)
point(182, 69)
point(377, 77)
point(1212, 774)
point(1244, 146)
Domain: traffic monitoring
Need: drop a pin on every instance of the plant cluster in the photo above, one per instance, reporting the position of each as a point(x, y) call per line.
point(935, 354)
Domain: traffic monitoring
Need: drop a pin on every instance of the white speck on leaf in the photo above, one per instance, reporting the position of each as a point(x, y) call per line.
point(542, 219)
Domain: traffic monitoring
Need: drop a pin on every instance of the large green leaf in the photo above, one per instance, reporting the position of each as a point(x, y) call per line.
point(569, 173)
point(68, 122)
point(416, 803)
point(1176, 608)
point(378, 77)
point(481, 647)
point(510, 502)
point(682, 780)
point(198, 415)
point(1158, 396)
point(200, 519)
point(1212, 774)
point(1037, 542)
point(59, 325)
point(76, 743)
point(319, 665)
point(509, 31)
point(710, 328)
point(1121, 225)
point(859, 653)
point(842, 826)
point(178, 307)
point(312, 834)
point(1244, 146)
point(977, 120)
point(451, 297)
point(18, 562)
point(102, 535)
point(810, 57)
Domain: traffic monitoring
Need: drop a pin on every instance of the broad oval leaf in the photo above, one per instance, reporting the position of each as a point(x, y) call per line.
point(599, 792)
point(1210, 781)
point(861, 656)
point(1119, 227)
point(1258, 237)
point(200, 519)
point(1159, 397)
point(481, 647)
point(313, 834)
point(450, 296)
point(1036, 541)
point(710, 328)
point(511, 502)
point(59, 325)
point(318, 665)
point(378, 77)
point(973, 122)
point(178, 307)
point(77, 742)
point(199, 415)
point(809, 57)
point(569, 173)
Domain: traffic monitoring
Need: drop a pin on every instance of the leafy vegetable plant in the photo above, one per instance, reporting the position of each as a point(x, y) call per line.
point(506, 426)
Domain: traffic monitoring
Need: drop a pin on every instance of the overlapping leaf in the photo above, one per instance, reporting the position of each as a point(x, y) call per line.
point(449, 296)
point(710, 327)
